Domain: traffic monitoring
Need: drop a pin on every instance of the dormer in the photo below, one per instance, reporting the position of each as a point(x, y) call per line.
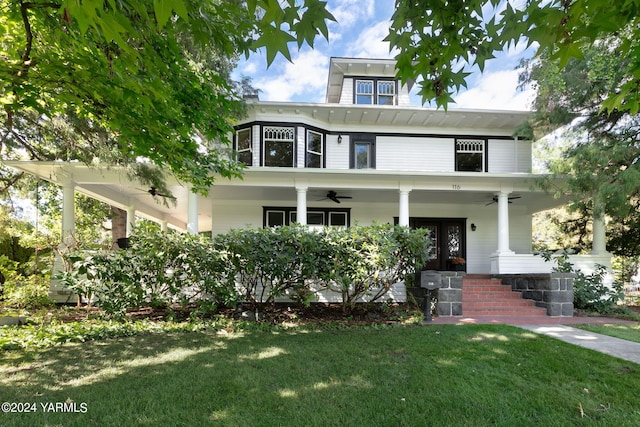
point(366, 82)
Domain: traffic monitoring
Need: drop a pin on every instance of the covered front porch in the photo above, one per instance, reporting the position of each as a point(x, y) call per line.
point(494, 210)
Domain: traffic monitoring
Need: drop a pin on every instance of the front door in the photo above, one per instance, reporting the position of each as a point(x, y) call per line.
point(448, 241)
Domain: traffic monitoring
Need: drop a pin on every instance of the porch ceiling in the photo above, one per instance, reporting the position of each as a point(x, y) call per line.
point(278, 185)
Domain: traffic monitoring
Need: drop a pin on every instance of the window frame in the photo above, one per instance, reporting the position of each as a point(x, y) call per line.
point(358, 94)
point(309, 152)
point(289, 214)
point(249, 149)
point(362, 139)
point(393, 96)
point(264, 140)
point(483, 153)
point(375, 95)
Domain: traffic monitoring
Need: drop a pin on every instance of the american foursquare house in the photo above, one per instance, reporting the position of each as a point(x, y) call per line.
point(366, 155)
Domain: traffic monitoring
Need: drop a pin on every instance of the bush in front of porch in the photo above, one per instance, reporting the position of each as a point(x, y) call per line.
point(257, 266)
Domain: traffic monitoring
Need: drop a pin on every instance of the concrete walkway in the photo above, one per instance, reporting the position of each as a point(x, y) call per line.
point(616, 347)
point(557, 327)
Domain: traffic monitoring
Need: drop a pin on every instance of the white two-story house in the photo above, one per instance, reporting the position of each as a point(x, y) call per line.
point(364, 155)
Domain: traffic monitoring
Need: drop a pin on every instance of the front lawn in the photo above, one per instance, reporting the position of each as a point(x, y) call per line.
point(440, 375)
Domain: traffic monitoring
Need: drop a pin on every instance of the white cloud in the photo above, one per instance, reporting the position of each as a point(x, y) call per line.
point(496, 91)
point(350, 12)
point(370, 44)
point(304, 79)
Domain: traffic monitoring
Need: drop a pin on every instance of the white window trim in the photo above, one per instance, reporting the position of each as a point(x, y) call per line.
point(244, 150)
point(316, 153)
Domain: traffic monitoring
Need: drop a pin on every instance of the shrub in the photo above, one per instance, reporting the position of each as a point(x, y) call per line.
point(368, 260)
point(254, 265)
point(158, 269)
point(272, 262)
point(23, 291)
point(589, 290)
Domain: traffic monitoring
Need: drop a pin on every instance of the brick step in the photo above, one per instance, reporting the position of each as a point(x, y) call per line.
point(518, 313)
point(487, 288)
point(484, 296)
point(491, 296)
point(481, 282)
point(497, 303)
point(472, 295)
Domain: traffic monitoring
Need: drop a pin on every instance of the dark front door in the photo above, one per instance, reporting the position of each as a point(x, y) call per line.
point(448, 241)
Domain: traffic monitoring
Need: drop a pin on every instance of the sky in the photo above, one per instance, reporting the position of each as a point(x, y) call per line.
point(360, 28)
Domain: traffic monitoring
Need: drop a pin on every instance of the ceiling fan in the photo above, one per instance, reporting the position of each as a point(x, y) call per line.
point(510, 198)
point(333, 196)
point(153, 191)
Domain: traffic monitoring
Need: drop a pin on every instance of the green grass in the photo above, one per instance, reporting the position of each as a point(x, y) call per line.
point(630, 332)
point(377, 376)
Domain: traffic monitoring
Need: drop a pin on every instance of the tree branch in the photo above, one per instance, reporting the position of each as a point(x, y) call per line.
point(11, 182)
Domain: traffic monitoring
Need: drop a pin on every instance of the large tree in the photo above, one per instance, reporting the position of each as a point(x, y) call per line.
point(601, 147)
point(119, 80)
point(440, 41)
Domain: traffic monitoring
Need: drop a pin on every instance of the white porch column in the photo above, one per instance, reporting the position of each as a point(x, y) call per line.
point(403, 212)
point(301, 205)
point(68, 213)
point(503, 223)
point(131, 220)
point(192, 213)
point(164, 225)
point(599, 244)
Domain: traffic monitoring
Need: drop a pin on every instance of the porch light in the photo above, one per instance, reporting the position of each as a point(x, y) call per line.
point(339, 139)
point(473, 227)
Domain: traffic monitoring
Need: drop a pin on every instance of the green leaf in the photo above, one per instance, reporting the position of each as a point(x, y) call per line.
point(163, 10)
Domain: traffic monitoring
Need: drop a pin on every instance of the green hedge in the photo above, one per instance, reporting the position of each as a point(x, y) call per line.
point(253, 265)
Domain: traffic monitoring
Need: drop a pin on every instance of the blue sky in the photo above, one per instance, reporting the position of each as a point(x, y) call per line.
point(361, 26)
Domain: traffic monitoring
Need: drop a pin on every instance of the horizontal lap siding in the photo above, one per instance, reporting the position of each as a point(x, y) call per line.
point(509, 156)
point(414, 154)
point(346, 97)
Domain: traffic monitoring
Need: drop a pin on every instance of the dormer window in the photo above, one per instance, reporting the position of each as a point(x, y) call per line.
point(386, 92)
point(375, 91)
point(364, 91)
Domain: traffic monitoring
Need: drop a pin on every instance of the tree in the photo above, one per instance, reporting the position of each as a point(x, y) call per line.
point(439, 42)
point(603, 147)
point(128, 76)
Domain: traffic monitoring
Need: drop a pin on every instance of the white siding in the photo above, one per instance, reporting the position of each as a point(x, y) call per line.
point(256, 137)
point(403, 97)
point(337, 154)
point(346, 97)
point(301, 146)
point(509, 156)
point(415, 154)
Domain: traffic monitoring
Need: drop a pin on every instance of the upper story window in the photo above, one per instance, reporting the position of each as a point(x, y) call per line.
point(243, 147)
point(381, 92)
point(363, 153)
point(315, 150)
point(364, 91)
point(386, 92)
point(279, 146)
point(470, 155)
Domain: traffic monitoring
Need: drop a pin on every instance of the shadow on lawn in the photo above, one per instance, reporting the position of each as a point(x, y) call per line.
point(398, 376)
